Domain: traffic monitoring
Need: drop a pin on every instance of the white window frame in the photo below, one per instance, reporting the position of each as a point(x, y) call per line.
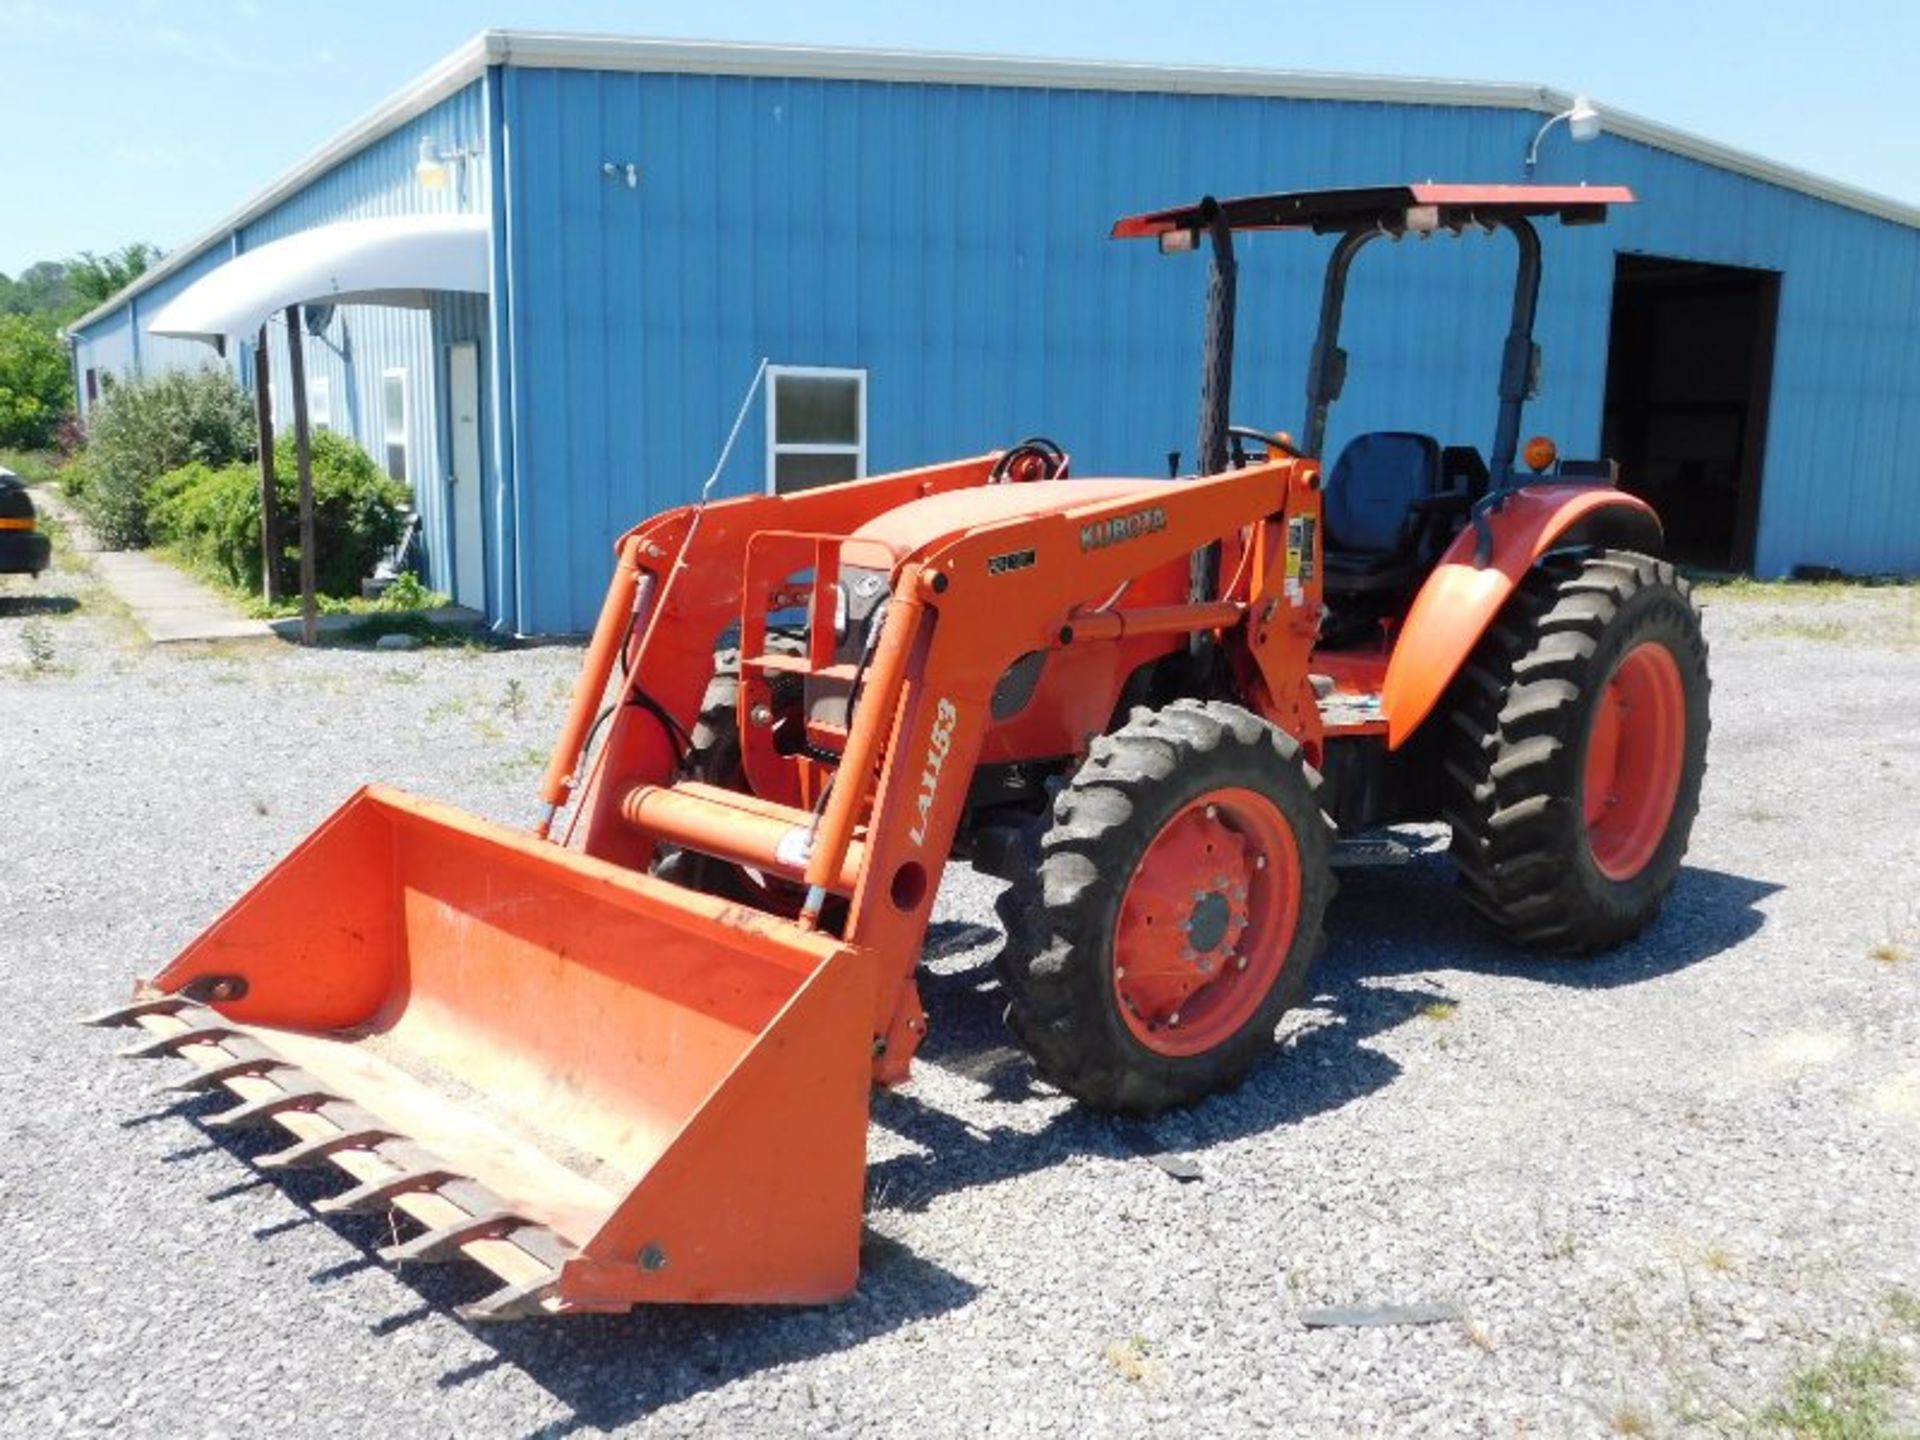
point(320, 402)
point(397, 372)
point(813, 372)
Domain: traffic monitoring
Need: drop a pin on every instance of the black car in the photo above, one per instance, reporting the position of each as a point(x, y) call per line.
point(23, 549)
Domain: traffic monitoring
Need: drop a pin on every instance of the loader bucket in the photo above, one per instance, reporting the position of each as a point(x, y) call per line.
point(606, 1089)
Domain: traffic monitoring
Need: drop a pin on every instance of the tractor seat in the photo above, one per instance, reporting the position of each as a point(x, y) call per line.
point(1380, 503)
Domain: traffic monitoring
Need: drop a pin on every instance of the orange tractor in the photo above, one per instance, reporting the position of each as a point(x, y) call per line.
point(628, 1059)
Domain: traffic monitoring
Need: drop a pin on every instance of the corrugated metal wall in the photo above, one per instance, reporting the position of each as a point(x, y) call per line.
point(361, 342)
point(951, 241)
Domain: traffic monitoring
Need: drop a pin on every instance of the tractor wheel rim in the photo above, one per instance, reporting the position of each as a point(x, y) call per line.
point(1206, 922)
point(1636, 749)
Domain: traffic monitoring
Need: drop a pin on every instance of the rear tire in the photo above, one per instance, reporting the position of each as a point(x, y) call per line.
point(1205, 818)
point(1575, 751)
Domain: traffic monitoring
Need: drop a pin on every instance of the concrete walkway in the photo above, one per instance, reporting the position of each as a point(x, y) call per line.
point(170, 605)
point(167, 604)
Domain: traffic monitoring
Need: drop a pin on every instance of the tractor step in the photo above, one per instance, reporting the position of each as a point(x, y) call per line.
point(1370, 851)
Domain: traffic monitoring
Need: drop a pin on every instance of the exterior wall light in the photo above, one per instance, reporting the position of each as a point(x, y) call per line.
point(1583, 124)
point(436, 167)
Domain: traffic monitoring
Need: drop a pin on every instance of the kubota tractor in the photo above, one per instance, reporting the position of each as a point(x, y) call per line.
point(626, 1058)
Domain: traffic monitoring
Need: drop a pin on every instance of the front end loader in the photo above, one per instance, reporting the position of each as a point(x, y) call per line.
point(624, 1057)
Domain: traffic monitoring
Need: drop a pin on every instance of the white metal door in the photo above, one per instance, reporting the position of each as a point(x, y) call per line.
point(464, 480)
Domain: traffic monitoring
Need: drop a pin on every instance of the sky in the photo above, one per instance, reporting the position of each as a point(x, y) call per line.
point(127, 120)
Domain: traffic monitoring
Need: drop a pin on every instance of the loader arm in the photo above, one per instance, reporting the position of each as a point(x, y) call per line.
point(676, 588)
point(957, 621)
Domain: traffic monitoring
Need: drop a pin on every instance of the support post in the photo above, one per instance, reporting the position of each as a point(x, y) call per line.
point(269, 495)
point(303, 446)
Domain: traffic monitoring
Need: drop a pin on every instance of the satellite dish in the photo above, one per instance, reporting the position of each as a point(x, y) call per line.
point(318, 317)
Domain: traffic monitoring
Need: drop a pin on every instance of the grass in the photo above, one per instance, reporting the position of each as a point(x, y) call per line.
point(36, 638)
point(1631, 1420)
point(400, 599)
point(36, 467)
point(1133, 1360)
point(429, 632)
point(1825, 632)
point(1889, 952)
point(1885, 610)
point(67, 588)
point(1846, 1396)
point(529, 760)
point(1722, 587)
point(1904, 1307)
point(1440, 1009)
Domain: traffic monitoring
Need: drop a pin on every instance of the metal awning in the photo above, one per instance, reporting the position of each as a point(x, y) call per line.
point(398, 260)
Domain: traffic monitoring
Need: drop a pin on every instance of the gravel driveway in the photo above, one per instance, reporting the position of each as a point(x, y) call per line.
point(1655, 1185)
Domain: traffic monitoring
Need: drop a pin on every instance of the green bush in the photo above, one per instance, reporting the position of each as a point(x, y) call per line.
point(211, 515)
point(147, 426)
point(359, 512)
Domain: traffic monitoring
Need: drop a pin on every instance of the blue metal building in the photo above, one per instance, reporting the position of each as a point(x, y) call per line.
point(918, 243)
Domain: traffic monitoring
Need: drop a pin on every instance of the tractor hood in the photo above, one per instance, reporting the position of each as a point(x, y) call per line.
point(918, 523)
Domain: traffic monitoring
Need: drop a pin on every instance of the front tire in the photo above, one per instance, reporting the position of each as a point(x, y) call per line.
point(1175, 913)
point(1577, 746)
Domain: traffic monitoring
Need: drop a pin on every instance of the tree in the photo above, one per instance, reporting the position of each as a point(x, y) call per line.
point(36, 384)
point(94, 279)
point(38, 290)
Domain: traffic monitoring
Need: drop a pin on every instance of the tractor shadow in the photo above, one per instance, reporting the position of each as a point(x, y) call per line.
point(610, 1371)
point(1410, 920)
point(1393, 930)
point(606, 1371)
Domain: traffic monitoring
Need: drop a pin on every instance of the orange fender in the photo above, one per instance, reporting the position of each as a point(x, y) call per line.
point(1460, 599)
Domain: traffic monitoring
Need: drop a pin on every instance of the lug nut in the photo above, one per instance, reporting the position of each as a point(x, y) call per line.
point(761, 715)
point(1259, 862)
point(1239, 962)
point(1213, 812)
point(1173, 1019)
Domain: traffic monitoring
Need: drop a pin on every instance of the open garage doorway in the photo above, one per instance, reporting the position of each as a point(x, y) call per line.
point(1689, 370)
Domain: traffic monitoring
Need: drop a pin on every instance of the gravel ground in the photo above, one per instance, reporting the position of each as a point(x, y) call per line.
point(1656, 1184)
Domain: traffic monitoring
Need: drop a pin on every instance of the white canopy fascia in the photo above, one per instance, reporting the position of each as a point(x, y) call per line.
point(398, 260)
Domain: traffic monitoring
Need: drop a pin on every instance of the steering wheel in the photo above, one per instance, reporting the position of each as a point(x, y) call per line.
point(1034, 458)
point(1238, 434)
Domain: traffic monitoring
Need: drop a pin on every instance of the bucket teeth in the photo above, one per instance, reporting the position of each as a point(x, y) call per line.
point(129, 1014)
point(512, 1302)
point(262, 1111)
point(317, 1152)
point(212, 1079)
point(438, 1246)
point(163, 1045)
point(376, 1194)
